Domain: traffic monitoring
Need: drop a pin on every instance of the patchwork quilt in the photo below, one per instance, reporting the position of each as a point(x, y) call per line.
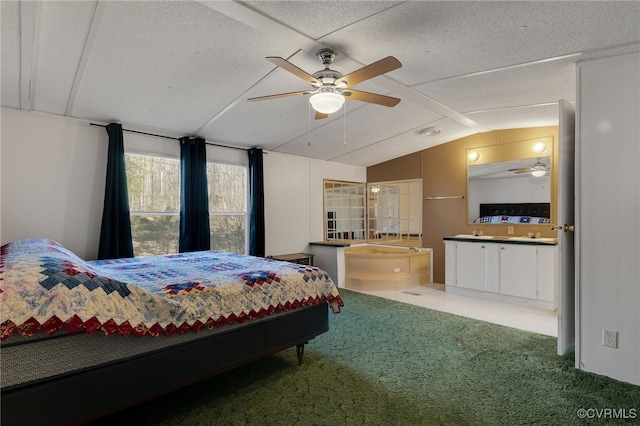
point(45, 287)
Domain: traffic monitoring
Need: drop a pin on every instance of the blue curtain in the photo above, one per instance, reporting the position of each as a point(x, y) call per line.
point(194, 196)
point(256, 204)
point(115, 231)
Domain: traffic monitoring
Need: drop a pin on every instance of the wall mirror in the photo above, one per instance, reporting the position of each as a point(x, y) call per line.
point(394, 210)
point(382, 211)
point(515, 173)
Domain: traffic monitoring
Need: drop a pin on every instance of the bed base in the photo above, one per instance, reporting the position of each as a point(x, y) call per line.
point(82, 396)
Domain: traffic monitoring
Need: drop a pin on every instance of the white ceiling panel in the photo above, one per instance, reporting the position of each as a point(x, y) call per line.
point(169, 64)
point(441, 39)
point(363, 126)
point(10, 55)
point(405, 144)
point(63, 32)
point(513, 118)
point(187, 68)
point(534, 84)
point(319, 18)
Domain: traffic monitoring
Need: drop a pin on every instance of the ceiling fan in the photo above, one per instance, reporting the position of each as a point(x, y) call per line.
point(539, 169)
point(330, 87)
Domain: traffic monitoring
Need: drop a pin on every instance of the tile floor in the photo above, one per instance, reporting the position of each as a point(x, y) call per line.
point(433, 296)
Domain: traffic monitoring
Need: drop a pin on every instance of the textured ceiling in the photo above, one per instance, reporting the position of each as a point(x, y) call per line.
point(187, 68)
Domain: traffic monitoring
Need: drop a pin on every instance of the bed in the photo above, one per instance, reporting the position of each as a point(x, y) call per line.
point(534, 213)
point(82, 339)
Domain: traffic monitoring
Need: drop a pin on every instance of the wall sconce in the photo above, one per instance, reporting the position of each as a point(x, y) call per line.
point(473, 155)
point(538, 147)
point(375, 189)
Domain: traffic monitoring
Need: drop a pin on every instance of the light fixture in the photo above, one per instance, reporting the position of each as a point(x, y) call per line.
point(326, 102)
point(473, 155)
point(375, 189)
point(430, 131)
point(538, 147)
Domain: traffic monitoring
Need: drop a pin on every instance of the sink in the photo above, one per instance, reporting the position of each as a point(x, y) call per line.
point(542, 239)
point(478, 237)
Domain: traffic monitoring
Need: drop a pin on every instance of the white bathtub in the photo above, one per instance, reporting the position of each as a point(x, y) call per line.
point(373, 267)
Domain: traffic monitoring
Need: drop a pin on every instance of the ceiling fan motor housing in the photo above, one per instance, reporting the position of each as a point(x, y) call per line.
point(327, 76)
point(326, 55)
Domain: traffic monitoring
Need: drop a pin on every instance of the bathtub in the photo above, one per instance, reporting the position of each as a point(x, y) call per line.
point(372, 267)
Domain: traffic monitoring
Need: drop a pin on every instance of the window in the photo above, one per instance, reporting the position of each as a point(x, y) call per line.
point(228, 207)
point(154, 200)
point(344, 205)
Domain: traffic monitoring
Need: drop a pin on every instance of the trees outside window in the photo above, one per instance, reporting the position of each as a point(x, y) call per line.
point(228, 207)
point(154, 200)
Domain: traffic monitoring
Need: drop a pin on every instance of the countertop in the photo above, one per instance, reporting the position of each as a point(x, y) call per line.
point(336, 243)
point(503, 239)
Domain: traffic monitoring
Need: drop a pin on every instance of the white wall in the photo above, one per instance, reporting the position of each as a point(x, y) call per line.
point(1, 181)
point(608, 216)
point(53, 172)
point(294, 199)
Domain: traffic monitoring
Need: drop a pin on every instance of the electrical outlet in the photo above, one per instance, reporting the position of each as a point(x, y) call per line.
point(510, 230)
point(610, 338)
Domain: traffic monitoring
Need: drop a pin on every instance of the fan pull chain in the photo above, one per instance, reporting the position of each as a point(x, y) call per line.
point(309, 141)
point(344, 123)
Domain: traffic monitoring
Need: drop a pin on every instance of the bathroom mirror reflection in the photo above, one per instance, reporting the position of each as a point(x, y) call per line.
point(525, 180)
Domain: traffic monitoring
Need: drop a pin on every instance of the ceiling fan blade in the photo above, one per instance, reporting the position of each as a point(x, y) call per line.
point(288, 66)
point(369, 71)
point(321, 115)
point(521, 170)
point(280, 95)
point(373, 98)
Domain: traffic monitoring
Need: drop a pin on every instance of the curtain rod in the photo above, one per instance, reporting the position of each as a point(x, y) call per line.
point(169, 137)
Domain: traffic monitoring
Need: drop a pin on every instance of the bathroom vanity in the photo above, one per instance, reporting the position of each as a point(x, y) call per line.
point(509, 269)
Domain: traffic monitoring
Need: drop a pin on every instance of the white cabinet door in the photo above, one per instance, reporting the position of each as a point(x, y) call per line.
point(471, 268)
point(547, 279)
point(518, 270)
point(450, 263)
point(493, 268)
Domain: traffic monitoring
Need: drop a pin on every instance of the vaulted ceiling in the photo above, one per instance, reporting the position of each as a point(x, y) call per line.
point(187, 68)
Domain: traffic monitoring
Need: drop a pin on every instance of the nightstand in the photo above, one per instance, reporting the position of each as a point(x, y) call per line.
point(299, 258)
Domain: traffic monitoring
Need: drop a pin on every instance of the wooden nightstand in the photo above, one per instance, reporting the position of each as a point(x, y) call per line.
point(299, 258)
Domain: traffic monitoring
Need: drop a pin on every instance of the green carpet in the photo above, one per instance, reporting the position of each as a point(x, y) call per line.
point(389, 363)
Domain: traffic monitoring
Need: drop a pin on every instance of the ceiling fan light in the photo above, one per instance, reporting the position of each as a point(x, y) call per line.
point(538, 172)
point(326, 102)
